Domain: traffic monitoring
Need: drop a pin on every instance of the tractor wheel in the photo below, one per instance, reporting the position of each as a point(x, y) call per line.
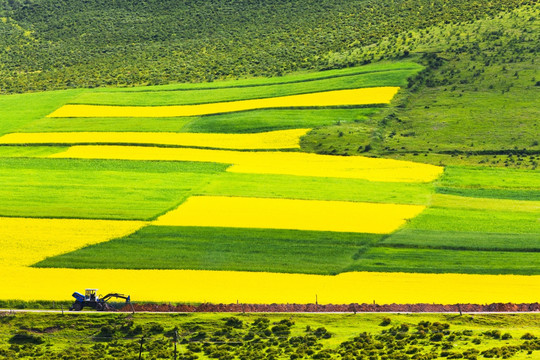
point(77, 306)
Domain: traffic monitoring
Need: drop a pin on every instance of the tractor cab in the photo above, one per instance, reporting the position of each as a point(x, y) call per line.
point(90, 294)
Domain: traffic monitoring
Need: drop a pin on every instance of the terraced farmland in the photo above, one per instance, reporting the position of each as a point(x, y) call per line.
point(202, 193)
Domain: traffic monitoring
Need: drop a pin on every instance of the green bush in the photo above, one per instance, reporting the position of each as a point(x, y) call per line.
point(25, 337)
point(234, 322)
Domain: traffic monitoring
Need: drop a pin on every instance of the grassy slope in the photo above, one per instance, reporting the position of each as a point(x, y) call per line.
point(474, 104)
point(98, 189)
point(235, 92)
point(82, 335)
point(293, 77)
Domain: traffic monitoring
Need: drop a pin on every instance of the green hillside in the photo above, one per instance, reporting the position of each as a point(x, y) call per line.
point(475, 103)
point(50, 44)
point(469, 85)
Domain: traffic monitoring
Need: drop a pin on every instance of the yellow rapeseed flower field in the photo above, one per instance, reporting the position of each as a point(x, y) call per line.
point(25, 241)
point(365, 96)
point(286, 163)
point(252, 287)
point(281, 139)
point(244, 212)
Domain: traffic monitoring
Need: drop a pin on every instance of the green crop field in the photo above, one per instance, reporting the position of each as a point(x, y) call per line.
point(201, 248)
point(94, 189)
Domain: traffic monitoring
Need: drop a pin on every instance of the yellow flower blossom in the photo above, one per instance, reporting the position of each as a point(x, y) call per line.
point(281, 139)
point(244, 212)
point(285, 163)
point(252, 287)
point(364, 96)
point(25, 241)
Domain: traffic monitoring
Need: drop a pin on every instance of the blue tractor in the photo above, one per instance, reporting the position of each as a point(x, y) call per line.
point(92, 300)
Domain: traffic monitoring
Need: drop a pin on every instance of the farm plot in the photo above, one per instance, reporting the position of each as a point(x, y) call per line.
point(283, 163)
point(26, 240)
point(95, 189)
point(355, 78)
point(195, 286)
point(353, 97)
point(229, 123)
point(255, 226)
point(283, 139)
point(474, 233)
point(211, 248)
point(244, 212)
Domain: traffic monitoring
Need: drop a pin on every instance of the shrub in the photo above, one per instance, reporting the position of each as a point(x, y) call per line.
point(322, 333)
point(281, 330)
point(261, 323)
point(495, 334)
point(155, 328)
point(24, 337)
point(105, 332)
point(234, 322)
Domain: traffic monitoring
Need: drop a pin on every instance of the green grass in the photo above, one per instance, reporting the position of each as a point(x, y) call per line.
point(532, 195)
point(81, 335)
point(416, 260)
point(240, 122)
point(200, 248)
point(98, 189)
point(490, 178)
point(462, 118)
point(29, 151)
point(482, 221)
point(475, 203)
point(494, 183)
point(175, 124)
point(474, 104)
point(313, 188)
point(196, 96)
point(268, 120)
point(413, 238)
point(294, 77)
point(20, 110)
